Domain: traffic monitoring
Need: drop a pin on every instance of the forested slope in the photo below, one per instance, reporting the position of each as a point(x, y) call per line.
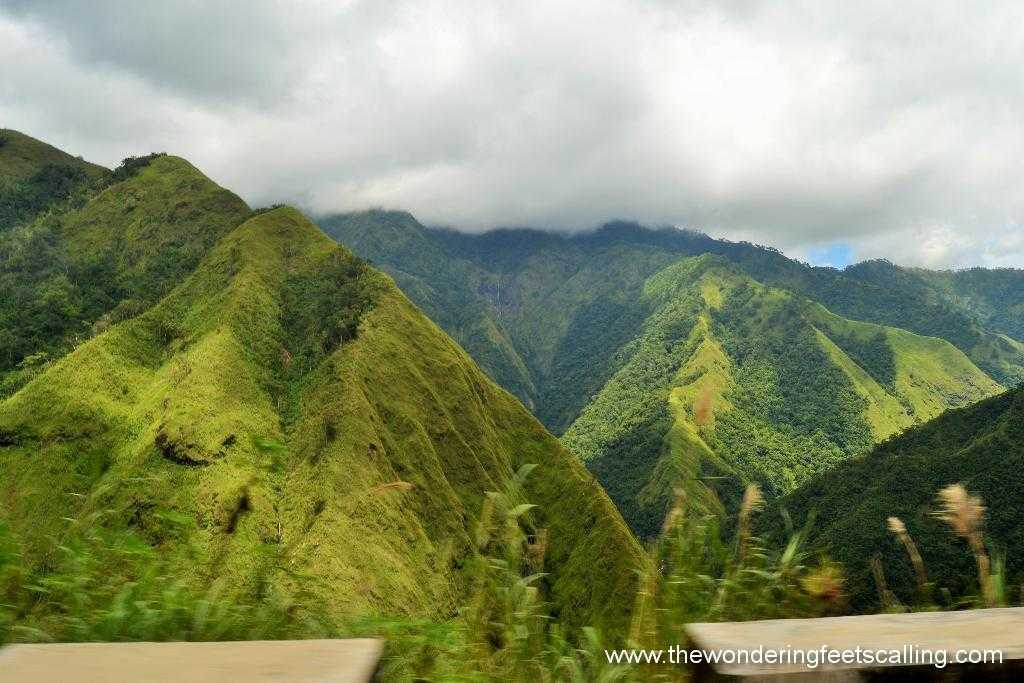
point(731, 381)
point(980, 446)
point(568, 302)
point(452, 292)
point(34, 176)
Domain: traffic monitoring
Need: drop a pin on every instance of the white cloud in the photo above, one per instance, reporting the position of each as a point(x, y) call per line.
point(789, 123)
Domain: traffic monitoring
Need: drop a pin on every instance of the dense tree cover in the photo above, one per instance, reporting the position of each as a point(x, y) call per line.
point(981, 446)
point(585, 358)
point(35, 178)
point(621, 434)
point(23, 200)
point(873, 353)
point(45, 308)
point(996, 296)
point(729, 382)
point(321, 306)
point(796, 413)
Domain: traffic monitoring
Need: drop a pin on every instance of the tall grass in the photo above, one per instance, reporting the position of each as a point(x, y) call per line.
point(697, 575)
point(103, 583)
point(965, 515)
point(505, 631)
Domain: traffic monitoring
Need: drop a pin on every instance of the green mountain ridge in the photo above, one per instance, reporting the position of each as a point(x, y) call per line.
point(980, 446)
point(733, 379)
point(540, 306)
point(667, 358)
point(74, 271)
point(22, 156)
point(168, 353)
point(292, 401)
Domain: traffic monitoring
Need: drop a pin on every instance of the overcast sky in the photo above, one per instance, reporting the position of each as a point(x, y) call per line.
point(832, 130)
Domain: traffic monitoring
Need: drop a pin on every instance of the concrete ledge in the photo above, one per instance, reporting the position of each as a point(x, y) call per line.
point(915, 636)
point(306, 661)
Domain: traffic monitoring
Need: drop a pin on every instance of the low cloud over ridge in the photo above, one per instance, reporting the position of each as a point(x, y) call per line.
point(892, 128)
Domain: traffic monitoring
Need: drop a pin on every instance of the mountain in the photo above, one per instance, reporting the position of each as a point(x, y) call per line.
point(980, 446)
point(292, 401)
point(666, 358)
point(34, 176)
point(729, 376)
point(980, 311)
point(166, 352)
point(121, 246)
point(539, 274)
point(995, 296)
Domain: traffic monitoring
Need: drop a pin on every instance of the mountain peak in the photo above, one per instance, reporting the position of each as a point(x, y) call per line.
point(108, 255)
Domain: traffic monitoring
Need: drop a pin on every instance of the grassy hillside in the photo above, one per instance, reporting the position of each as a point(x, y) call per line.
point(980, 311)
point(22, 156)
point(74, 271)
point(981, 446)
point(563, 309)
point(731, 381)
point(295, 404)
point(34, 176)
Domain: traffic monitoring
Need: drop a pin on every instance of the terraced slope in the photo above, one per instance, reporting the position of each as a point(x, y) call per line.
point(981, 446)
point(298, 406)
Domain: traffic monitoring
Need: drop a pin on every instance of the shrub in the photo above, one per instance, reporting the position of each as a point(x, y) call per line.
point(132, 165)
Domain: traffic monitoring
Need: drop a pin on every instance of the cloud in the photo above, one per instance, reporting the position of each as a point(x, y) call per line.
point(891, 128)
